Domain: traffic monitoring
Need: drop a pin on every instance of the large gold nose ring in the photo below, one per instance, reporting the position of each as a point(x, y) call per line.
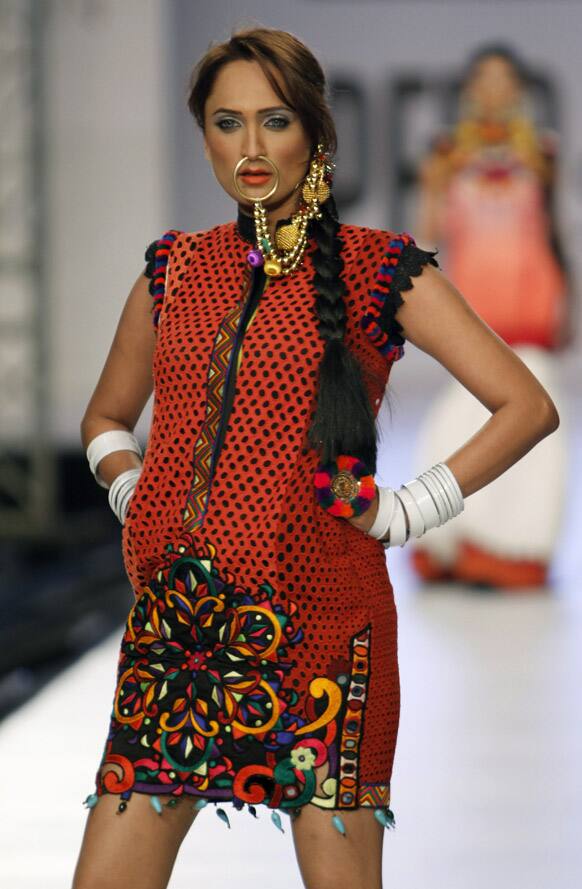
point(252, 198)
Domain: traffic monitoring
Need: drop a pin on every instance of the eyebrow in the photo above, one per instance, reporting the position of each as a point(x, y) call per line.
point(260, 111)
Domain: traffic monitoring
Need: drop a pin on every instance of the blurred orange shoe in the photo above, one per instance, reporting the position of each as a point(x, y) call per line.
point(475, 565)
point(427, 567)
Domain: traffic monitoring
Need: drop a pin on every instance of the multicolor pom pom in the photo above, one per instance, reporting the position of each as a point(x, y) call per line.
point(344, 487)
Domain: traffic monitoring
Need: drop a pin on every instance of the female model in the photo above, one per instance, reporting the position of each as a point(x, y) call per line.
point(487, 199)
point(258, 665)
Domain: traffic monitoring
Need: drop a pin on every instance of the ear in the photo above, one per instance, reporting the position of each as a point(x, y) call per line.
point(206, 150)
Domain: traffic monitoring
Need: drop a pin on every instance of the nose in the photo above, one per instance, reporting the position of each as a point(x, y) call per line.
point(252, 143)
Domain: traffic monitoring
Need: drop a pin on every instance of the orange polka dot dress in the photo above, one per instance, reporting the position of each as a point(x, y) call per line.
point(259, 660)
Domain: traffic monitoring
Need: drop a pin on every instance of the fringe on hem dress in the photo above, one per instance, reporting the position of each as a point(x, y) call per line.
point(258, 664)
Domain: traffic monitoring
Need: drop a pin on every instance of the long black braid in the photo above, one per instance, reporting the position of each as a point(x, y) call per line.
point(343, 421)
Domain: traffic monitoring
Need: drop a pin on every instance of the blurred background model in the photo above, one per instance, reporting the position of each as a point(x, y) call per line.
point(487, 199)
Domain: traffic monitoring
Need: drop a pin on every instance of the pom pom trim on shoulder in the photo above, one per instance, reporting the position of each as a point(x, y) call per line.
point(402, 261)
point(156, 257)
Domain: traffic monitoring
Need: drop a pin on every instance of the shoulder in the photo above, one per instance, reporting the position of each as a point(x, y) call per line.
point(378, 251)
point(389, 260)
point(363, 236)
point(156, 258)
point(209, 235)
point(158, 252)
point(174, 239)
point(183, 245)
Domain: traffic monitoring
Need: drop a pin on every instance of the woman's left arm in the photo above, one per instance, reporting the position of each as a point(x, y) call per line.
point(437, 319)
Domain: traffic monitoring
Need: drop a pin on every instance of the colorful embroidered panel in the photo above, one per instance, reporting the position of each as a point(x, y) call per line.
point(203, 705)
point(381, 297)
point(220, 360)
point(374, 795)
point(353, 724)
point(157, 264)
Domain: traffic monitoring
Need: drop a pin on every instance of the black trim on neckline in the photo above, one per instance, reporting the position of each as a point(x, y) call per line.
point(246, 226)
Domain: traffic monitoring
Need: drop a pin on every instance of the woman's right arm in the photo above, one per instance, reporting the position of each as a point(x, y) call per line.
point(126, 381)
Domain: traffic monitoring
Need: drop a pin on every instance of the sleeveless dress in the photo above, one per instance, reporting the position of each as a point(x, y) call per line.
point(259, 660)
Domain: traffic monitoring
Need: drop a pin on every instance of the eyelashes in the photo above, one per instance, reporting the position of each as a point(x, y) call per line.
point(273, 123)
point(278, 123)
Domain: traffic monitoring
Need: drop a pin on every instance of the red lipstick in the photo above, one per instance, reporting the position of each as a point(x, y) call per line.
point(255, 177)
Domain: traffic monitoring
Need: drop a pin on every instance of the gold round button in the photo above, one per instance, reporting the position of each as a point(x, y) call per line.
point(272, 268)
point(345, 486)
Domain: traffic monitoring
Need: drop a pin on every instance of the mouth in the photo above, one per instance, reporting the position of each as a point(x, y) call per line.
point(255, 177)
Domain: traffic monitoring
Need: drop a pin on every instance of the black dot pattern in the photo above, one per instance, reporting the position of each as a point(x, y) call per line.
point(262, 516)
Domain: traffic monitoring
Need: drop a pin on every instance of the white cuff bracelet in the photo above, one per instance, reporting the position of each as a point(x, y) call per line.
point(398, 532)
point(386, 506)
point(107, 443)
point(121, 492)
point(421, 504)
point(415, 518)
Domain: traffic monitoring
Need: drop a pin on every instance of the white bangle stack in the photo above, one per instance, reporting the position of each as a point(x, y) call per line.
point(421, 504)
point(106, 443)
point(121, 491)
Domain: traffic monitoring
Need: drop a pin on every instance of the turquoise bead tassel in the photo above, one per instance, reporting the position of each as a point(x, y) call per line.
point(156, 804)
point(276, 819)
point(339, 825)
point(91, 800)
point(223, 816)
point(385, 817)
point(390, 817)
point(200, 803)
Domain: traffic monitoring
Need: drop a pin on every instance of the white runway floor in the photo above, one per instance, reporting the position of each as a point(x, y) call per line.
point(487, 787)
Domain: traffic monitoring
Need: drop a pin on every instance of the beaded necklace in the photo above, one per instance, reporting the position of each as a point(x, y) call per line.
point(291, 238)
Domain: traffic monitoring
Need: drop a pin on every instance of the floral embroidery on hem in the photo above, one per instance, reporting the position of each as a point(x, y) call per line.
point(203, 708)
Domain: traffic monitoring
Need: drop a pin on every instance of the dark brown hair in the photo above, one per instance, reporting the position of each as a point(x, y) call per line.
point(301, 81)
point(343, 422)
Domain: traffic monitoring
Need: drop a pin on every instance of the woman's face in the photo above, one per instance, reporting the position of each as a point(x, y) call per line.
point(494, 84)
point(244, 117)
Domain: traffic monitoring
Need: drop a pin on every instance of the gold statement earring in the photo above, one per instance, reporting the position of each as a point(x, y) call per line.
point(291, 239)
